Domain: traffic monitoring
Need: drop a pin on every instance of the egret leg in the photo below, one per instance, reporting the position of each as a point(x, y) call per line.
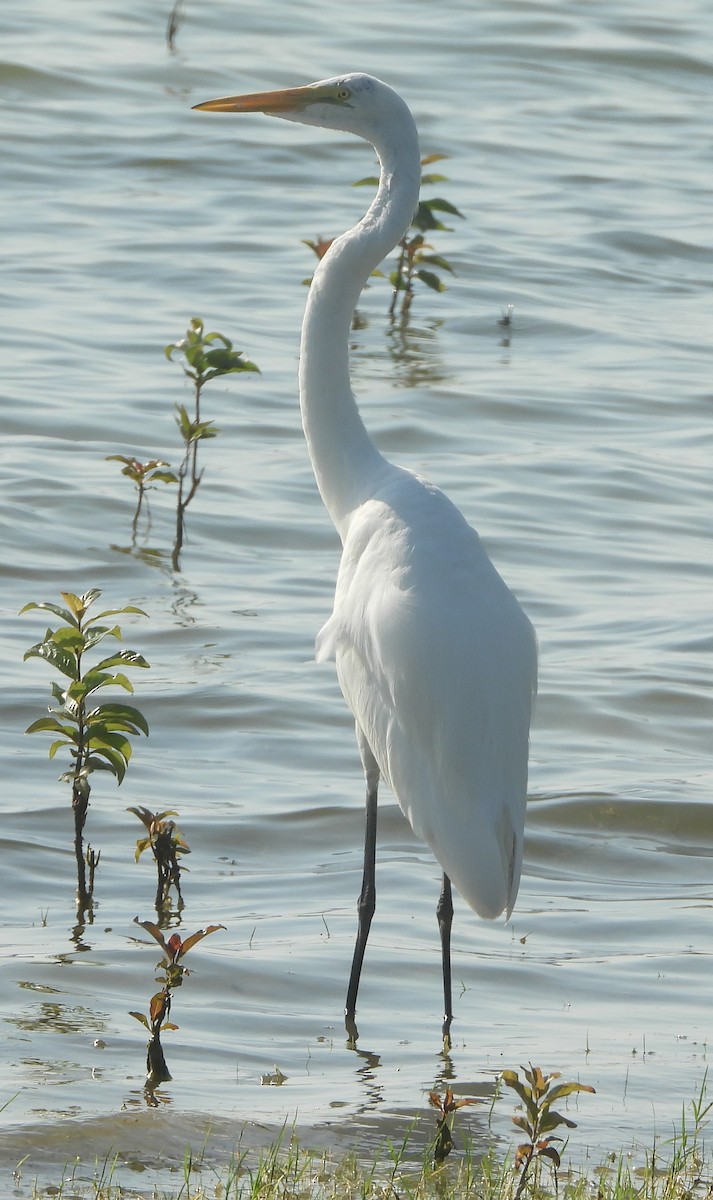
point(444, 912)
point(366, 904)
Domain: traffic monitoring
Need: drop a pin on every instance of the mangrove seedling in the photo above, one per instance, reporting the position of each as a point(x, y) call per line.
point(538, 1118)
point(171, 975)
point(205, 356)
point(447, 1107)
point(145, 476)
point(416, 259)
point(96, 734)
point(166, 843)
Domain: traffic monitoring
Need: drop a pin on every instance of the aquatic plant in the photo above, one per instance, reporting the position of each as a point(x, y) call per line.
point(166, 843)
point(447, 1107)
point(205, 356)
point(145, 476)
point(172, 972)
point(95, 734)
point(284, 1170)
point(415, 262)
point(538, 1118)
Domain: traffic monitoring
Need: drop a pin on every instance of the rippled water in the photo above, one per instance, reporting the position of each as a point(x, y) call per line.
point(577, 441)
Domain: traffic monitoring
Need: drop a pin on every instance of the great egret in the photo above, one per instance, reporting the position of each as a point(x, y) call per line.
point(435, 657)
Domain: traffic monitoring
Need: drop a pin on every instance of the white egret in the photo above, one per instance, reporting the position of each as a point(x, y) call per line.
point(434, 655)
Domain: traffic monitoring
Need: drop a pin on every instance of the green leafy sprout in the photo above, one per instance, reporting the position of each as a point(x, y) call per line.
point(96, 733)
point(416, 260)
point(204, 356)
point(538, 1119)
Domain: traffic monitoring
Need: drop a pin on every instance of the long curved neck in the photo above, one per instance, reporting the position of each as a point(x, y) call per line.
point(346, 464)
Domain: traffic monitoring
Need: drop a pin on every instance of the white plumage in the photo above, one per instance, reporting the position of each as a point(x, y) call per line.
point(435, 657)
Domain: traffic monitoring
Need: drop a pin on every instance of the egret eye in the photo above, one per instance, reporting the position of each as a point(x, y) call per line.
point(343, 93)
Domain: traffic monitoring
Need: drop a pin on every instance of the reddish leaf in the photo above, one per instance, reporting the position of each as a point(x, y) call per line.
point(523, 1154)
point(155, 932)
point(549, 1152)
point(175, 947)
point(198, 936)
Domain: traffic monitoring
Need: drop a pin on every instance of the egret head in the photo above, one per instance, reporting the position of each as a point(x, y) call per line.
point(354, 103)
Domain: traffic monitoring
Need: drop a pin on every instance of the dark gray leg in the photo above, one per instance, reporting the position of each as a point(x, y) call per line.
point(367, 898)
point(444, 912)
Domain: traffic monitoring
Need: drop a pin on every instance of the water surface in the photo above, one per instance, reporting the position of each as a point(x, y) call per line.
point(577, 441)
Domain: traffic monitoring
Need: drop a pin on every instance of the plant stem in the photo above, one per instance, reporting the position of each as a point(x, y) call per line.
point(190, 457)
point(139, 502)
point(80, 804)
point(80, 797)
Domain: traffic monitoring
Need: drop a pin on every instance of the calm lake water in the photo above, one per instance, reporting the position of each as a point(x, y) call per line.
point(578, 441)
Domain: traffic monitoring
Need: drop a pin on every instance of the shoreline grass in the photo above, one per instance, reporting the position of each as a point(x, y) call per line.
point(675, 1169)
point(426, 1164)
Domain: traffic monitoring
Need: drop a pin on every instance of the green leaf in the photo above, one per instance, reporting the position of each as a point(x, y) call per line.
point(104, 728)
point(436, 260)
point(443, 206)
point(94, 763)
point(183, 421)
point(101, 737)
point(140, 1017)
point(424, 218)
point(93, 679)
point(566, 1089)
point(209, 338)
point(120, 712)
point(52, 725)
point(58, 745)
point(115, 762)
point(68, 638)
point(74, 602)
point(431, 280)
point(128, 608)
point(245, 365)
point(98, 633)
point(369, 180)
point(122, 681)
point(55, 656)
point(63, 613)
point(552, 1120)
point(127, 658)
point(512, 1080)
point(223, 358)
point(164, 477)
point(202, 430)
